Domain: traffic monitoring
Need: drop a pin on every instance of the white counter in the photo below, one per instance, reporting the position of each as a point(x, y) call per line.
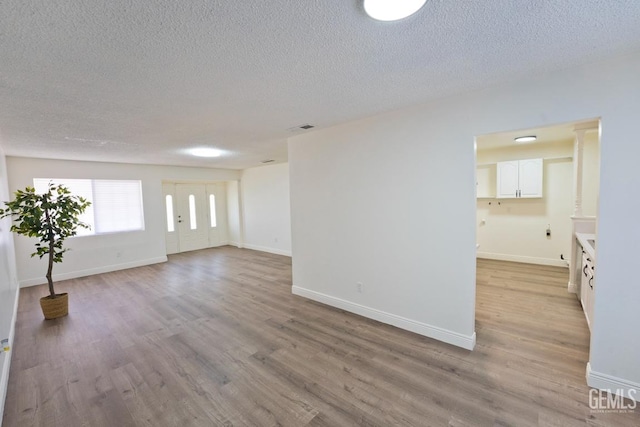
point(586, 246)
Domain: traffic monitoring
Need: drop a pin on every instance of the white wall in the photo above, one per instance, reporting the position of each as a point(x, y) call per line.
point(100, 253)
point(266, 210)
point(515, 229)
point(8, 285)
point(389, 201)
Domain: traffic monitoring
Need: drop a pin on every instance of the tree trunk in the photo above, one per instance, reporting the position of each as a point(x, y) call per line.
point(51, 253)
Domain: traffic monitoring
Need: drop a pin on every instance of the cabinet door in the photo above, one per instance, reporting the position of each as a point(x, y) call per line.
point(590, 298)
point(486, 181)
point(507, 179)
point(530, 178)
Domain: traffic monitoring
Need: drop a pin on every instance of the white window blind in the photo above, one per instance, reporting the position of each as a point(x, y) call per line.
point(116, 205)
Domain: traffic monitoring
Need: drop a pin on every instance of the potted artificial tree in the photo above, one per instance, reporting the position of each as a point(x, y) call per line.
point(51, 217)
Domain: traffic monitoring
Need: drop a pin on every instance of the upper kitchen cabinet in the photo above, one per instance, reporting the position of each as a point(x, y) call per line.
point(519, 179)
point(486, 181)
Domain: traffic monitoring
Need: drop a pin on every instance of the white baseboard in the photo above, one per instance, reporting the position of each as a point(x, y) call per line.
point(4, 376)
point(614, 385)
point(266, 249)
point(236, 244)
point(524, 259)
point(572, 288)
point(465, 341)
point(91, 271)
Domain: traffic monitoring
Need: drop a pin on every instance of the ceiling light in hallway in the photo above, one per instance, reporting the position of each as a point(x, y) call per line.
point(392, 10)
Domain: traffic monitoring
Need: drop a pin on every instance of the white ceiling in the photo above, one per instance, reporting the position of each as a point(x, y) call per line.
point(136, 81)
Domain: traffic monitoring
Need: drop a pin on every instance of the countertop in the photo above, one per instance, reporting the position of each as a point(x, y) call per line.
point(582, 239)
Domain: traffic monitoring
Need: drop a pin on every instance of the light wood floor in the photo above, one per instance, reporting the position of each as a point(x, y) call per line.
point(214, 337)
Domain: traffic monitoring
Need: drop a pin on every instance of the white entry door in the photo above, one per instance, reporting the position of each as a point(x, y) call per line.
point(191, 217)
point(196, 216)
point(217, 209)
point(171, 232)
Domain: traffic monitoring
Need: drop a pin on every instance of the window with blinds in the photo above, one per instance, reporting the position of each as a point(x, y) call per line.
point(116, 205)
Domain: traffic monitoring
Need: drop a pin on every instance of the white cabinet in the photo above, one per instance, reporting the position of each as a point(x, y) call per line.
point(507, 179)
point(486, 181)
point(586, 287)
point(519, 179)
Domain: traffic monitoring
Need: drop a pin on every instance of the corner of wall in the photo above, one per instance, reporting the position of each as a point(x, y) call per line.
point(6, 366)
point(613, 385)
point(467, 342)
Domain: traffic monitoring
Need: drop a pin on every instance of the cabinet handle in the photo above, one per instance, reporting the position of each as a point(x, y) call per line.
point(584, 270)
point(591, 282)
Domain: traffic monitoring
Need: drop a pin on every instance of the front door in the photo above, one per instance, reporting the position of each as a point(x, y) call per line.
point(191, 217)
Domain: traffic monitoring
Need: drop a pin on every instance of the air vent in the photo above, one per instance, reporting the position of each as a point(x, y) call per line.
point(268, 161)
point(301, 127)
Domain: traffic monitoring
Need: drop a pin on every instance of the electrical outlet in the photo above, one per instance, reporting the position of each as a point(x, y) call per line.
point(359, 287)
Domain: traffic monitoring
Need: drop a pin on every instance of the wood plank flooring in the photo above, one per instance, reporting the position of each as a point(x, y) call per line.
point(215, 337)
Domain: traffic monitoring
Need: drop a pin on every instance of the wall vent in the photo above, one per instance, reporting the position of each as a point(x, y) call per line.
point(301, 127)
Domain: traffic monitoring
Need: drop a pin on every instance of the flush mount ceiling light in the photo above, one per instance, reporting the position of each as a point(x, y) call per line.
point(528, 138)
point(392, 10)
point(205, 152)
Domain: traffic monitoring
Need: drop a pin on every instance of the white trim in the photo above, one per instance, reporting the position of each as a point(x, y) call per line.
point(572, 288)
point(465, 341)
point(236, 244)
point(91, 271)
point(522, 258)
point(611, 384)
point(266, 249)
point(4, 378)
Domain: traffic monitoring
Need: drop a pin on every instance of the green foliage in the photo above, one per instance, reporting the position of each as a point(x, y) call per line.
point(51, 217)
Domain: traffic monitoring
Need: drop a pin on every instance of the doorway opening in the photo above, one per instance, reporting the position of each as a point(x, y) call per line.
point(536, 217)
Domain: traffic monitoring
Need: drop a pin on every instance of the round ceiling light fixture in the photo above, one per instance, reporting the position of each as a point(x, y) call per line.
point(205, 152)
point(528, 138)
point(392, 10)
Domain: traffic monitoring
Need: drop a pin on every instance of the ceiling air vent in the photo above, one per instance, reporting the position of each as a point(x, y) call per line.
point(300, 128)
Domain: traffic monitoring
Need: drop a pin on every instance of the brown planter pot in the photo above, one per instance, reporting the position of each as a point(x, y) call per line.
point(56, 307)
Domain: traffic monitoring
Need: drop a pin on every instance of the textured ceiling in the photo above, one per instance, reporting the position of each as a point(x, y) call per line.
point(135, 81)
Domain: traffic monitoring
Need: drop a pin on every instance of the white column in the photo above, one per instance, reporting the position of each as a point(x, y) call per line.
point(241, 214)
point(578, 150)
